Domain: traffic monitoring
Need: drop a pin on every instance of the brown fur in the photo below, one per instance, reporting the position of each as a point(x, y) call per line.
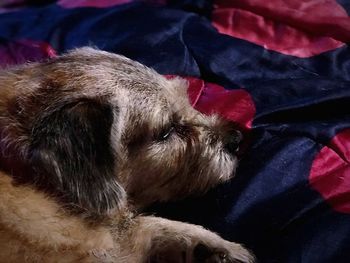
point(90, 136)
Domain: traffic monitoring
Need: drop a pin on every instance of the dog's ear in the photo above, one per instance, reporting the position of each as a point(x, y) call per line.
point(72, 154)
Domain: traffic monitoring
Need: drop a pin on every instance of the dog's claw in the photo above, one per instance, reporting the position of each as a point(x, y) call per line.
point(202, 253)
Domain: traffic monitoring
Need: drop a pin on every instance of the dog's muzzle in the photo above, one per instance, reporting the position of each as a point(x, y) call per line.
point(233, 141)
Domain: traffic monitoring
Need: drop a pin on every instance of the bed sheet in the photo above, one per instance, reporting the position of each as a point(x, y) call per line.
point(280, 69)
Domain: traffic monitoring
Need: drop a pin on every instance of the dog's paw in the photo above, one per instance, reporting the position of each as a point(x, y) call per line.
point(225, 252)
point(229, 253)
point(177, 242)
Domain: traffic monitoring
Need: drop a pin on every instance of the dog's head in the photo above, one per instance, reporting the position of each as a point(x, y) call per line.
point(94, 127)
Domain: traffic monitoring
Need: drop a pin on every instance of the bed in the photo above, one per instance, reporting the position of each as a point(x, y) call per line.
point(279, 69)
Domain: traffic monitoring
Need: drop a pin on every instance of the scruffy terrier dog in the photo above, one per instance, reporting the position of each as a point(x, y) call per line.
point(89, 138)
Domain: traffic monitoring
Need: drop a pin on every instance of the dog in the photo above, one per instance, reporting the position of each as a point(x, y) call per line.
point(88, 140)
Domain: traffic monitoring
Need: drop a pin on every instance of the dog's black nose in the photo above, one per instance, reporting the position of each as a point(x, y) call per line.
point(233, 141)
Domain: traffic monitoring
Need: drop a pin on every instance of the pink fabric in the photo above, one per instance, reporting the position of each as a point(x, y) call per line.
point(209, 98)
point(295, 27)
point(6, 3)
point(330, 172)
point(24, 50)
point(11, 5)
point(91, 3)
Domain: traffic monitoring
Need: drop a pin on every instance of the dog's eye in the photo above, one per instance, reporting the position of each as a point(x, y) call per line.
point(165, 134)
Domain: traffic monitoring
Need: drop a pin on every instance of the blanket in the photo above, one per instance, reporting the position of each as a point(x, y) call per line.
point(279, 69)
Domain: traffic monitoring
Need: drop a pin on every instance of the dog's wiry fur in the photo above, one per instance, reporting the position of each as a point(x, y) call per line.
point(90, 136)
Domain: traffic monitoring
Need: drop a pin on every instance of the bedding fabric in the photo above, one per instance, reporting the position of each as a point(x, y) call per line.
point(280, 69)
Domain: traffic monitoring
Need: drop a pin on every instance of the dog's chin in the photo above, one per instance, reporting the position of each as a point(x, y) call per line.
point(227, 167)
point(234, 168)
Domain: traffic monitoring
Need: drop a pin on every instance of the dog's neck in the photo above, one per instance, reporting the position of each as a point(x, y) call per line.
point(9, 96)
point(21, 217)
point(10, 161)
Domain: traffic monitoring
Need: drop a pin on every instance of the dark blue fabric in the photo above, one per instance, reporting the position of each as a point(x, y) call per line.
point(301, 103)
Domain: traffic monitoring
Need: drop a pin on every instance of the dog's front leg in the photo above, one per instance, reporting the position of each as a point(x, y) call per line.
point(155, 240)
